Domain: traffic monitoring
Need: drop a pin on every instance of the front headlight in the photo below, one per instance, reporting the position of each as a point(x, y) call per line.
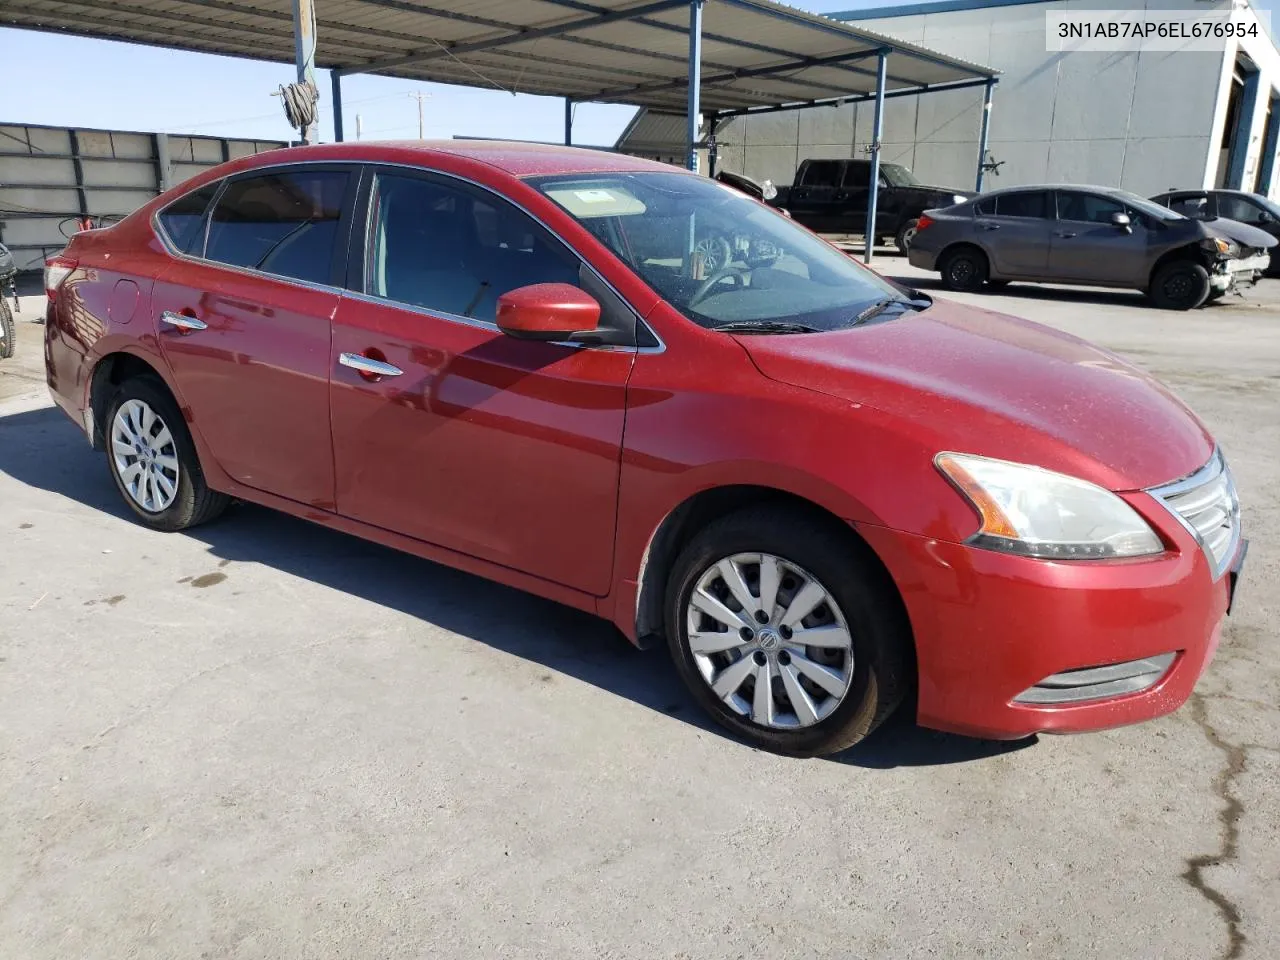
point(1038, 513)
point(1222, 247)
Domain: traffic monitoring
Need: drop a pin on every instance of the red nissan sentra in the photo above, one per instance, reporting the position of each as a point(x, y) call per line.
point(634, 391)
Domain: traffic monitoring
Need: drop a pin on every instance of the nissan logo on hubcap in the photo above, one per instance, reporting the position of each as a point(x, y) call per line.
point(769, 639)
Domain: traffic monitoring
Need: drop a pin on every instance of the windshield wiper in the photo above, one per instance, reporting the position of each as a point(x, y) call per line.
point(880, 306)
point(765, 326)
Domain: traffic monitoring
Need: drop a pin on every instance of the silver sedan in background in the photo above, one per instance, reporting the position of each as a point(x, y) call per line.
point(1092, 236)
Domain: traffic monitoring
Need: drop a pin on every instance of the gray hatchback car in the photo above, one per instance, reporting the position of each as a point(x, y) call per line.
point(1094, 236)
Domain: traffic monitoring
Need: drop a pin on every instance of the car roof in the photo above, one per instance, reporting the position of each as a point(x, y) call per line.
point(1084, 187)
point(515, 158)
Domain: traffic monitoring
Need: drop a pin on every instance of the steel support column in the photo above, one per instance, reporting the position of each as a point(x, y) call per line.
point(874, 193)
point(713, 146)
point(335, 80)
point(568, 122)
point(985, 134)
point(304, 52)
point(694, 106)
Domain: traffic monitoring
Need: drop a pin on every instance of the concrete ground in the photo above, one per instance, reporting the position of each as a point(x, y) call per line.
point(264, 739)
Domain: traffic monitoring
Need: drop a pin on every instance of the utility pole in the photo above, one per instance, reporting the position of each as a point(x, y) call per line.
point(420, 96)
point(359, 125)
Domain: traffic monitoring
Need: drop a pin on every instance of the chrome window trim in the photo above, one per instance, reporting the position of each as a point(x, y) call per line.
point(1211, 471)
point(360, 294)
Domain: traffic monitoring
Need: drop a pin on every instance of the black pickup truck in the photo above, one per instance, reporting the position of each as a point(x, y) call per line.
point(830, 196)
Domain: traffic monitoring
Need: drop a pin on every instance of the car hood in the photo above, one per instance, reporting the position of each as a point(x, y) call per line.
point(1239, 232)
point(972, 381)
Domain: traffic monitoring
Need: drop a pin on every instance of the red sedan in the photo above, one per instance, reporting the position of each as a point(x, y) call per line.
point(638, 392)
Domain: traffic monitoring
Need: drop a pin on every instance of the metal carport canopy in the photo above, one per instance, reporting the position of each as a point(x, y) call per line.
point(754, 52)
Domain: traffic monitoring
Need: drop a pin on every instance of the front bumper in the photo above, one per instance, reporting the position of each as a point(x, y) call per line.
point(1246, 270)
point(989, 627)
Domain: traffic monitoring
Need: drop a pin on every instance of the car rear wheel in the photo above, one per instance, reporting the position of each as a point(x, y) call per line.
point(906, 233)
point(1180, 285)
point(964, 269)
point(153, 461)
point(786, 633)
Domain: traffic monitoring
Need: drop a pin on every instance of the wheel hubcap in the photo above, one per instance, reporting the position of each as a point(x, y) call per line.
point(961, 271)
point(769, 640)
point(710, 251)
point(144, 456)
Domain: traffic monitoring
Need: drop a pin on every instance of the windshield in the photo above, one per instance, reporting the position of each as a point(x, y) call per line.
point(898, 176)
point(1142, 205)
point(716, 255)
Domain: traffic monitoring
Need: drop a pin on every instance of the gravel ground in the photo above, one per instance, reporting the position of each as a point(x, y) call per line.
point(265, 739)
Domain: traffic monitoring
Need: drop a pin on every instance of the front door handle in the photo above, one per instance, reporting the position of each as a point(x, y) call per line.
point(988, 226)
point(1065, 234)
point(182, 321)
point(368, 366)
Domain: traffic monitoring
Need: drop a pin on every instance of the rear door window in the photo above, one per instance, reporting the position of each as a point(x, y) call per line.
point(1193, 205)
point(1032, 204)
point(823, 173)
point(283, 223)
point(183, 220)
point(857, 173)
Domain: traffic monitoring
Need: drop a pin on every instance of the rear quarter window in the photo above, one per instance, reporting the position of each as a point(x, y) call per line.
point(183, 220)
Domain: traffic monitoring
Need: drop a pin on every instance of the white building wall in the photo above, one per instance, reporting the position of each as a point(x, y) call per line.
point(1144, 121)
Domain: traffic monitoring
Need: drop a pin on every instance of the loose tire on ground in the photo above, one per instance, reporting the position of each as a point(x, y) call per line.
point(8, 334)
point(150, 437)
point(1180, 285)
point(857, 594)
point(964, 269)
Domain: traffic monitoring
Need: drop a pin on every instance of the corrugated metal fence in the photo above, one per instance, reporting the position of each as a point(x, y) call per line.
point(52, 175)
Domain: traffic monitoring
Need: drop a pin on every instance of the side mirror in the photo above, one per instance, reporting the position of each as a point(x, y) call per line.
point(768, 190)
point(1122, 221)
point(1265, 217)
point(548, 311)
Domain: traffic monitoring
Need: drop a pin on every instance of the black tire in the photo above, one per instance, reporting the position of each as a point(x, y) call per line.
point(881, 669)
point(8, 334)
point(1180, 285)
point(964, 269)
point(902, 239)
point(194, 502)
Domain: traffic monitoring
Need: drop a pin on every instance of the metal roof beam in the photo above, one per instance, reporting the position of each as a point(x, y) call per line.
point(535, 33)
point(323, 24)
point(105, 6)
point(837, 28)
point(721, 38)
point(744, 74)
point(860, 98)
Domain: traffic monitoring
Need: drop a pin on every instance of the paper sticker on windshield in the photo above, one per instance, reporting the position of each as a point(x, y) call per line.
point(586, 202)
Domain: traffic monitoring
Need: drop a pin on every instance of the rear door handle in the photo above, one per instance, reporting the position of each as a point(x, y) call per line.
point(182, 321)
point(369, 366)
point(988, 226)
point(1065, 234)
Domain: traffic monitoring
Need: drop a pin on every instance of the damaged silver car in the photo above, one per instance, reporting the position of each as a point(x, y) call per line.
point(1090, 236)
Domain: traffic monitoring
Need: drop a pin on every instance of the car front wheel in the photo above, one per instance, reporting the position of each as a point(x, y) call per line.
point(1180, 285)
point(153, 460)
point(786, 632)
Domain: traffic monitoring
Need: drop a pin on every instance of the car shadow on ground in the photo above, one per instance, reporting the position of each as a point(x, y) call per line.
point(42, 449)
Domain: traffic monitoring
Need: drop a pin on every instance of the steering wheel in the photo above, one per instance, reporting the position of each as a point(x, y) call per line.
point(704, 288)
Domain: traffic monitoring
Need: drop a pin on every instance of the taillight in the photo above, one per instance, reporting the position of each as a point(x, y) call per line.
point(56, 269)
point(924, 221)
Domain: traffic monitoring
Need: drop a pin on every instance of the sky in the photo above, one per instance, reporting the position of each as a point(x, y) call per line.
point(119, 86)
point(71, 81)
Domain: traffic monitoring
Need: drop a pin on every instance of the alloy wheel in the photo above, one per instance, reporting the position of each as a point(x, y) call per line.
point(769, 640)
point(145, 457)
